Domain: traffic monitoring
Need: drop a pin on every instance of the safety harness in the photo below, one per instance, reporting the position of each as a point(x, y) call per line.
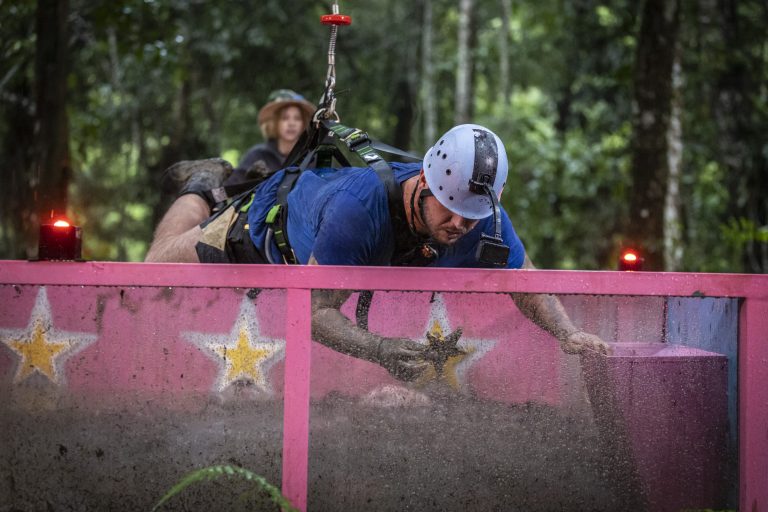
point(328, 143)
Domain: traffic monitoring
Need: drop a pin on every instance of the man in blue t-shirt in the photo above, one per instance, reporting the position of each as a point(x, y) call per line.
point(449, 217)
point(361, 232)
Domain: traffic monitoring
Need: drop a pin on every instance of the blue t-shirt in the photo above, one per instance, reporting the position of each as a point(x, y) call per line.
point(341, 216)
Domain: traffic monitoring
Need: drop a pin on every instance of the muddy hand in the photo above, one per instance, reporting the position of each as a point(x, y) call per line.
point(403, 358)
point(579, 342)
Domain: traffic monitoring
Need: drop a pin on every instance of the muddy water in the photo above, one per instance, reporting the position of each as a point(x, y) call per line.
point(456, 454)
point(436, 454)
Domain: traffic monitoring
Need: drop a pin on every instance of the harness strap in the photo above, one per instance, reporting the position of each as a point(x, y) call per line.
point(350, 147)
point(386, 148)
point(277, 217)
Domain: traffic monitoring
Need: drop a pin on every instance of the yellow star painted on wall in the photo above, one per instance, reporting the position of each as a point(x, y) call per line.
point(41, 349)
point(36, 354)
point(243, 354)
point(243, 360)
point(451, 355)
point(444, 356)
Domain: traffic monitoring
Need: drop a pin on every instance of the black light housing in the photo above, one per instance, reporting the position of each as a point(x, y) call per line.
point(59, 240)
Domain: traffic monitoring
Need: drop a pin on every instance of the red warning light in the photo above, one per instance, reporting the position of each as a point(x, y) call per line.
point(61, 224)
point(630, 261)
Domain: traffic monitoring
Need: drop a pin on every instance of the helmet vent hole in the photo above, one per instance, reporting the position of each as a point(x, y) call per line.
point(445, 155)
point(448, 172)
point(441, 187)
point(450, 197)
point(441, 142)
point(429, 166)
point(438, 152)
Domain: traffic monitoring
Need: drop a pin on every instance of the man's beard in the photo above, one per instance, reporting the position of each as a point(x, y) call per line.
point(433, 233)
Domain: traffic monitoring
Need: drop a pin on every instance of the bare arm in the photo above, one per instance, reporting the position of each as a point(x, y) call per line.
point(547, 312)
point(403, 358)
point(334, 330)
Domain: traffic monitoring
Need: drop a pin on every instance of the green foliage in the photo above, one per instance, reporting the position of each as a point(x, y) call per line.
point(258, 484)
point(157, 81)
point(567, 131)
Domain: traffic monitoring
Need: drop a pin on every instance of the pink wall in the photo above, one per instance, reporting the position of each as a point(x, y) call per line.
point(666, 402)
point(92, 309)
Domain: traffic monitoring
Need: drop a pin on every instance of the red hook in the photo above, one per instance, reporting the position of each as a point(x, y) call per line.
point(335, 19)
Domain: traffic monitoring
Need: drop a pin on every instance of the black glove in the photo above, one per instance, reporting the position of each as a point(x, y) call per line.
point(403, 358)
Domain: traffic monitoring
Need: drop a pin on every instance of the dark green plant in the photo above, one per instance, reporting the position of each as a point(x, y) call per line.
point(215, 472)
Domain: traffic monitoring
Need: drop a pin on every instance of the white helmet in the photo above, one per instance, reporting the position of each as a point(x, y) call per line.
point(464, 153)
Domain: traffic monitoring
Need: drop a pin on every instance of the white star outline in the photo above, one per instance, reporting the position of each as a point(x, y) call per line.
point(41, 314)
point(247, 320)
point(476, 348)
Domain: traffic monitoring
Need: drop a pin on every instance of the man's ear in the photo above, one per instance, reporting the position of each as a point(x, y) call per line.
point(422, 178)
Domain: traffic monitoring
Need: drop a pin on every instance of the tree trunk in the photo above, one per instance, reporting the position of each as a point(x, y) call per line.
point(654, 62)
point(185, 144)
point(18, 213)
point(406, 88)
point(464, 64)
point(506, 14)
point(404, 113)
point(738, 98)
point(51, 170)
point(673, 236)
point(428, 77)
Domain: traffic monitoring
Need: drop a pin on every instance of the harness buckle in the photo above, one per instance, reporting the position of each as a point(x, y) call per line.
point(352, 137)
point(356, 138)
point(272, 214)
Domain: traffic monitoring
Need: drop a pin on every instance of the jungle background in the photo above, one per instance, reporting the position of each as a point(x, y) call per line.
point(627, 123)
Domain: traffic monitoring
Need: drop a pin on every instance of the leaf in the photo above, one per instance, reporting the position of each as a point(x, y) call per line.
point(214, 472)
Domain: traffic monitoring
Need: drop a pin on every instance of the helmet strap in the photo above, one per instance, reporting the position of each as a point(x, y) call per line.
point(425, 192)
point(412, 223)
point(423, 253)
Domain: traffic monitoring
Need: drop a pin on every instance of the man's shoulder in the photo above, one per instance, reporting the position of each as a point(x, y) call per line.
point(351, 179)
point(362, 184)
point(399, 169)
point(403, 171)
point(345, 191)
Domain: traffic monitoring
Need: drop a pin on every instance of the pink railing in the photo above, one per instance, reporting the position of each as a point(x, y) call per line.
point(299, 281)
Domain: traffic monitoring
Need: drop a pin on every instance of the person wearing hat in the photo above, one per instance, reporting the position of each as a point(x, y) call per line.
point(282, 121)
